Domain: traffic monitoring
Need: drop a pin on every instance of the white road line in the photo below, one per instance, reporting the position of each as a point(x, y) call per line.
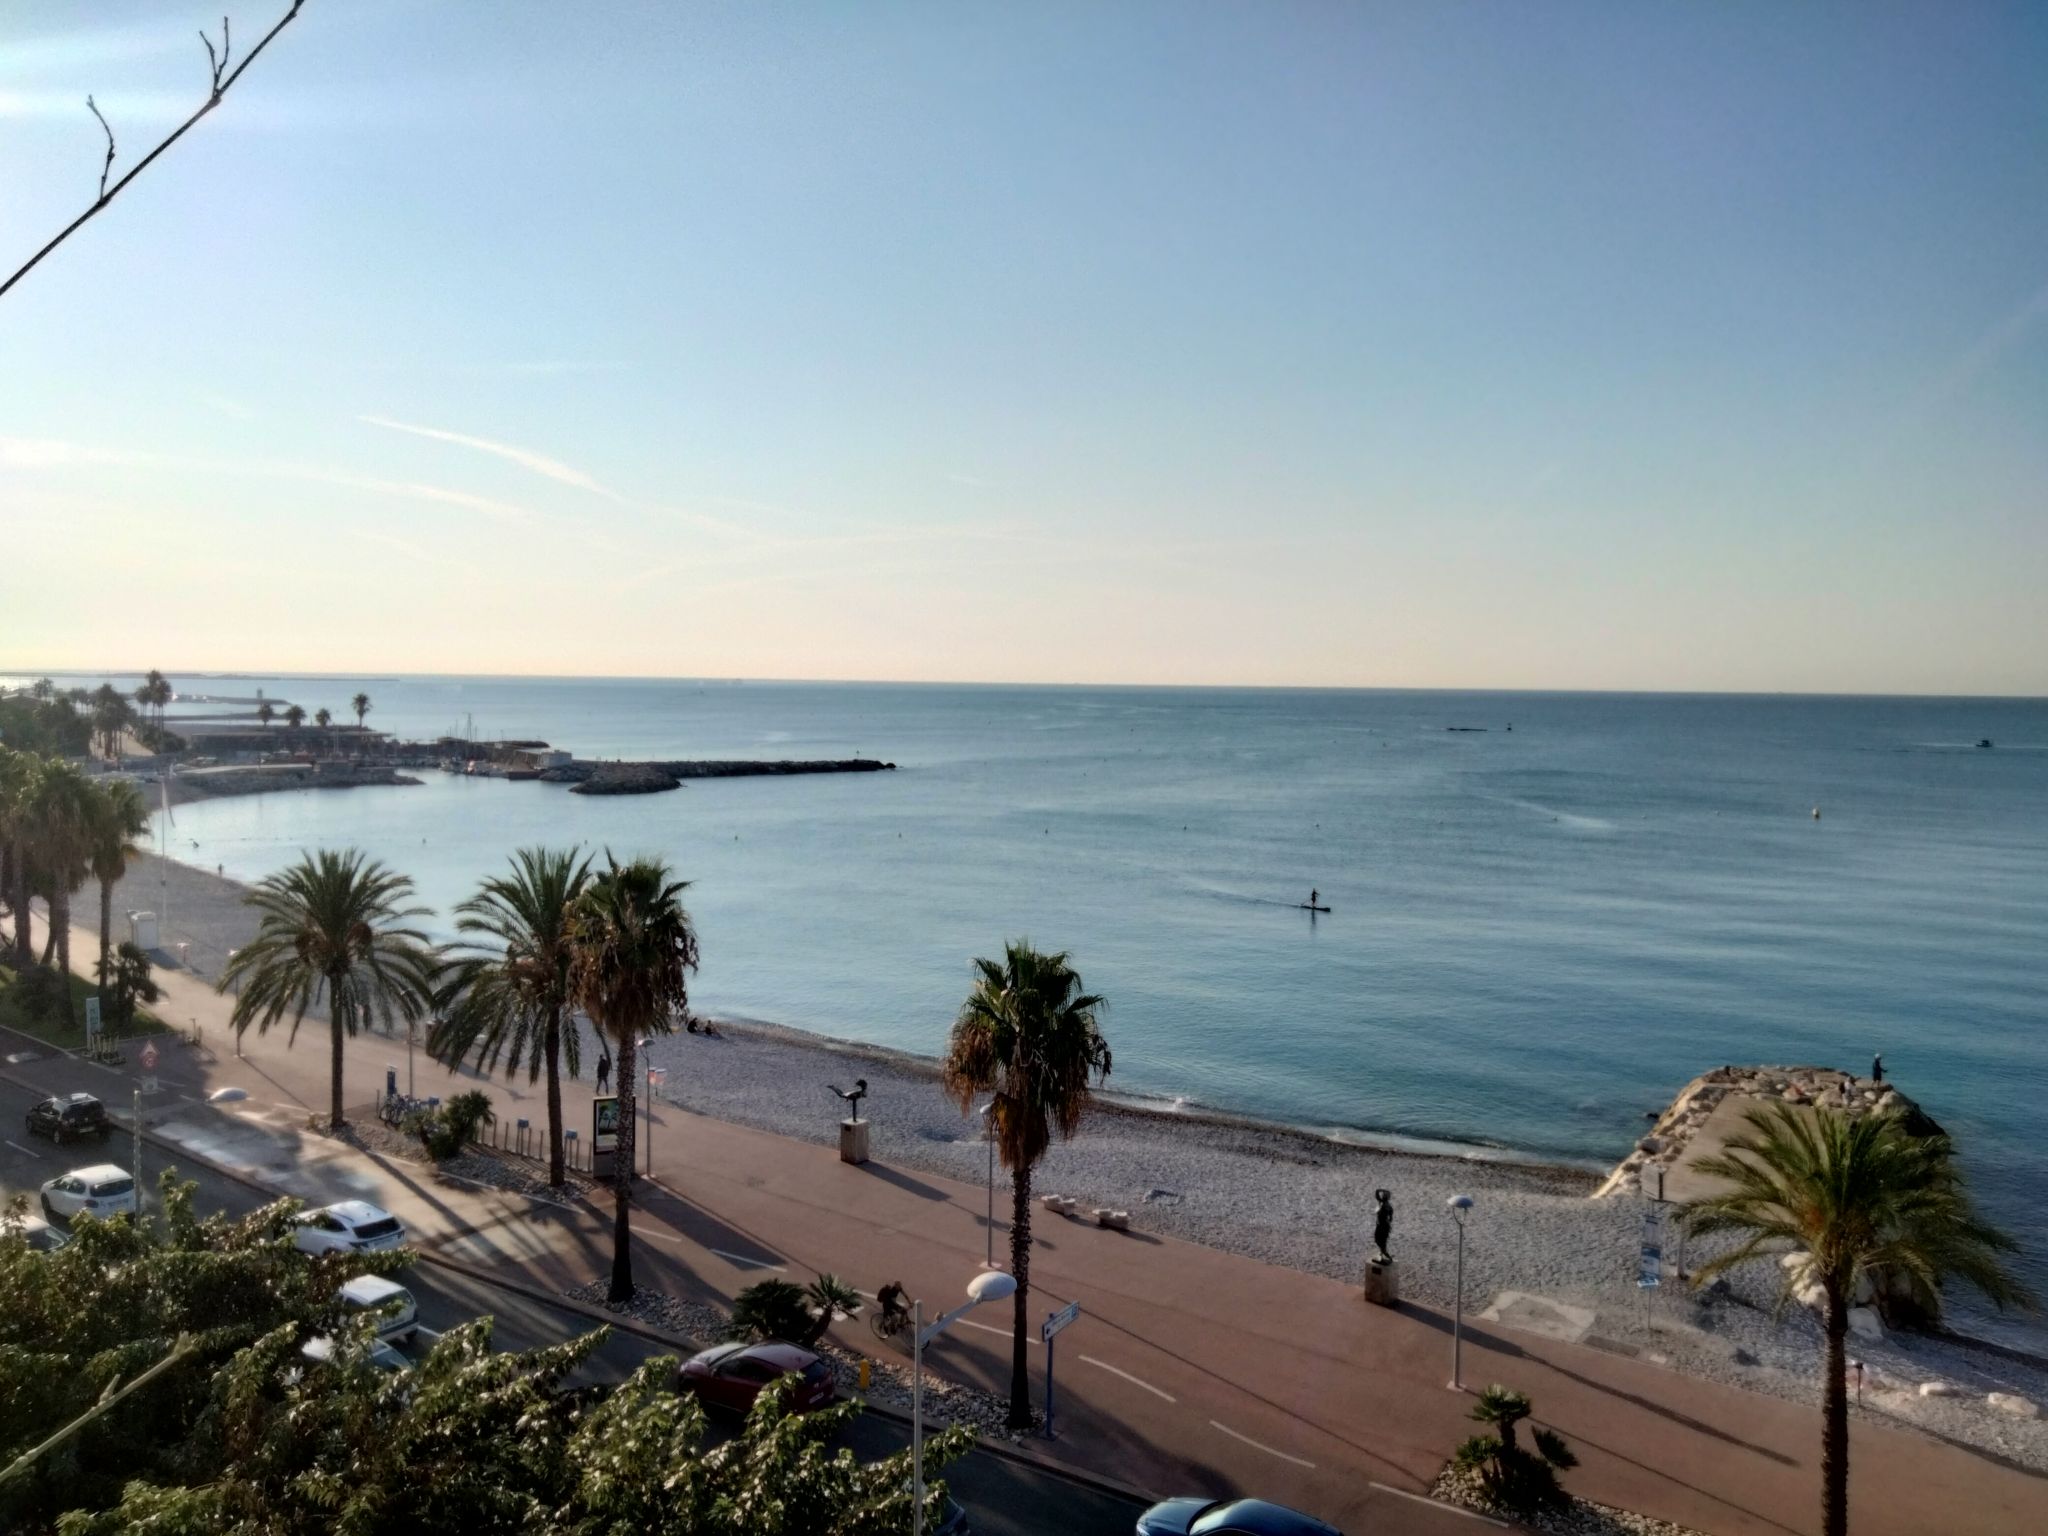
point(741, 1258)
point(659, 1237)
point(1255, 1445)
point(26, 1151)
point(1127, 1376)
point(1006, 1333)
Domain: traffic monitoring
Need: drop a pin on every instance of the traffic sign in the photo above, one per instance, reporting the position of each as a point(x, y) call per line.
point(1059, 1320)
point(149, 1056)
point(148, 1085)
point(92, 1018)
point(1650, 1265)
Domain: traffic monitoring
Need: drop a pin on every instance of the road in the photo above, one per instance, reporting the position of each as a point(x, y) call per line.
point(1002, 1497)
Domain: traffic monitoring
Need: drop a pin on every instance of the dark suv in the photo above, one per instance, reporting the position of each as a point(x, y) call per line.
point(71, 1118)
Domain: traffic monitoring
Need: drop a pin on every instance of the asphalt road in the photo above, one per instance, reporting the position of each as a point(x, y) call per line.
point(1002, 1497)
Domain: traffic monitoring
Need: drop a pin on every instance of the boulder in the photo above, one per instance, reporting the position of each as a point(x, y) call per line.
point(2012, 1403)
point(1866, 1324)
point(1940, 1389)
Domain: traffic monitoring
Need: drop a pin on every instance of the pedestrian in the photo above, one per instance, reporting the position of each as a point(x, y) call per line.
point(604, 1073)
point(1877, 1068)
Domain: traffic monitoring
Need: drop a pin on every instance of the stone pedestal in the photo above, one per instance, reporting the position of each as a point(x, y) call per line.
point(1382, 1283)
point(853, 1141)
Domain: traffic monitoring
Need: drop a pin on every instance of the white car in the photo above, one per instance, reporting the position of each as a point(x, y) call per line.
point(101, 1190)
point(36, 1232)
point(398, 1316)
point(320, 1349)
point(347, 1226)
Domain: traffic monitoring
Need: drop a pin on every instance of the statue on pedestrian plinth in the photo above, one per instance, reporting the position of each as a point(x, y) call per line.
point(1383, 1223)
point(853, 1098)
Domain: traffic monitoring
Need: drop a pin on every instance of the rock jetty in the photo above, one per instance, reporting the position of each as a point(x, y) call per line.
point(1824, 1087)
point(646, 778)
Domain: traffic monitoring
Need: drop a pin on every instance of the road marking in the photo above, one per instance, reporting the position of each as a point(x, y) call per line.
point(966, 1322)
point(1469, 1514)
point(1127, 1376)
point(741, 1258)
point(1255, 1445)
point(431, 1335)
point(26, 1151)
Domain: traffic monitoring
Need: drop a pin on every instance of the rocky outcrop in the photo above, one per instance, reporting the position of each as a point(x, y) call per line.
point(624, 779)
point(712, 768)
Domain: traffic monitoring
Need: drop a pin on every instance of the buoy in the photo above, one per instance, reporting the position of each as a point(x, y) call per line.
point(1816, 813)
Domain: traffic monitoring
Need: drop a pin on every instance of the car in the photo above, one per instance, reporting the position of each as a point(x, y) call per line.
point(101, 1190)
point(1229, 1517)
point(347, 1226)
point(320, 1349)
point(36, 1232)
point(398, 1314)
point(73, 1117)
point(731, 1376)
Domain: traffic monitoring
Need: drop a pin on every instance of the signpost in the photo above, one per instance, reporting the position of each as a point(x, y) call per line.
point(1650, 1266)
point(1054, 1324)
point(149, 1067)
point(92, 1025)
point(656, 1076)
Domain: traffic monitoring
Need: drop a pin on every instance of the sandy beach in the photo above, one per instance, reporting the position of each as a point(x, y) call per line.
point(1288, 1197)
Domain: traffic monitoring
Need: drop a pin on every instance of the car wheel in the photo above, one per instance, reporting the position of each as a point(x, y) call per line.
point(49, 1210)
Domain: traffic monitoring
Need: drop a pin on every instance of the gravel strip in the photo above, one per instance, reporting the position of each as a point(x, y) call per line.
point(1581, 1517)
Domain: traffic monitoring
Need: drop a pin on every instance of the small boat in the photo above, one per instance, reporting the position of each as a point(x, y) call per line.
point(1985, 742)
point(1310, 907)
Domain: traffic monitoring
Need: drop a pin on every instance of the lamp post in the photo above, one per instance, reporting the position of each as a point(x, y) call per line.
point(988, 1134)
point(1459, 1205)
point(989, 1285)
point(656, 1076)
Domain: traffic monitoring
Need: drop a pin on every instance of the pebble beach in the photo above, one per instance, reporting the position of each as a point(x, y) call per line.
point(1296, 1198)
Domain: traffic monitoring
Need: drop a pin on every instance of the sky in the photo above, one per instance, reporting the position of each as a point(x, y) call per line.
point(1437, 345)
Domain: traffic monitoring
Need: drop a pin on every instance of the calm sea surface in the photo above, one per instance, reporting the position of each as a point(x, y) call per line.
point(1538, 933)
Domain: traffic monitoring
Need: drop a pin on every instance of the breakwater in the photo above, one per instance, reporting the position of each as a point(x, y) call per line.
point(589, 778)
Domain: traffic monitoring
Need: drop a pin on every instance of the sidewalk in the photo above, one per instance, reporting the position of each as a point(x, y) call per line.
point(1190, 1369)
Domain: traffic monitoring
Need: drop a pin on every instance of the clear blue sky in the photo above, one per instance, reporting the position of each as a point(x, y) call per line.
point(1545, 345)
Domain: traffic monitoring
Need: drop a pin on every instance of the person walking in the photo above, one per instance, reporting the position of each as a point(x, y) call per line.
point(604, 1073)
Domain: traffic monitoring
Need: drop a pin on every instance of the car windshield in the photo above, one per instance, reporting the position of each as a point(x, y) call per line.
point(383, 1228)
point(817, 1370)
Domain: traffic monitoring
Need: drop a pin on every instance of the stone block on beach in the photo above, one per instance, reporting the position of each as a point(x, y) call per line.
point(2012, 1403)
point(1116, 1221)
point(1382, 1283)
point(853, 1141)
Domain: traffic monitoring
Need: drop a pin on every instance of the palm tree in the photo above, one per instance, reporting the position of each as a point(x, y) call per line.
point(1860, 1198)
point(361, 705)
point(110, 716)
point(60, 813)
point(43, 688)
point(294, 717)
point(332, 931)
point(265, 713)
point(120, 821)
point(511, 996)
point(323, 717)
point(632, 949)
point(1026, 1034)
point(17, 781)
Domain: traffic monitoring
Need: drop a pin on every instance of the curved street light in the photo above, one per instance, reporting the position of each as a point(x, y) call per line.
point(1458, 1206)
point(989, 1285)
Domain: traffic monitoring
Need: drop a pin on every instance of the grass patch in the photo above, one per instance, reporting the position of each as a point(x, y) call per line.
point(53, 1030)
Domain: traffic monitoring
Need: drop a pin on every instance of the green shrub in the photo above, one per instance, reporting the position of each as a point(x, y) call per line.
point(41, 993)
point(444, 1132)
point(1509, 1474)
point(129, 983)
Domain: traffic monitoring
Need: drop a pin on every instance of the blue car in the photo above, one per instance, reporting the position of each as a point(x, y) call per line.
point(1229, 1517)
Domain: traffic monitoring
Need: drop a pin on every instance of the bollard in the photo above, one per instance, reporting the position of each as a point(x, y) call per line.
point(867, 1372)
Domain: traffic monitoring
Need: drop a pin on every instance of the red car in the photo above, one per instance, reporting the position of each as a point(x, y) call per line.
point(731, 1376)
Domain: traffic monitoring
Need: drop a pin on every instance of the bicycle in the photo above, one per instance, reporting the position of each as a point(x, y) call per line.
point(885, 1324)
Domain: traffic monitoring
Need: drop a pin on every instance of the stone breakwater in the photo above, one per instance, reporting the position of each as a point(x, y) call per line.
point(213, 783)
point(1822, 1087)
point(593, 778)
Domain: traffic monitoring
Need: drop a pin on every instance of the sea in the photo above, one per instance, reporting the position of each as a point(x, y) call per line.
point(1547, 910)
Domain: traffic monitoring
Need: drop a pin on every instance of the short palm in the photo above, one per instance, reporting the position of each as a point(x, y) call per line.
point(1857, 1198)
point(632, 951)
point(1027, 1036)
point(333, 932)
point(508, 997)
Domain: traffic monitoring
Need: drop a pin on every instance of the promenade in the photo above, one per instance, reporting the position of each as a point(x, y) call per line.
point(1191, 1370)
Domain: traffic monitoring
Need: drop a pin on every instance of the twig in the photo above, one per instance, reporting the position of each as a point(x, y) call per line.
point(107, 168)
point(223, 80)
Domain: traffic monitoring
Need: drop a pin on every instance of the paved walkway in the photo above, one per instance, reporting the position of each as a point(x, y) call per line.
point(1191, 1369)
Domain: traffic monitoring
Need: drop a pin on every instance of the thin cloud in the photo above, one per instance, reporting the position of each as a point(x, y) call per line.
point(525, 458)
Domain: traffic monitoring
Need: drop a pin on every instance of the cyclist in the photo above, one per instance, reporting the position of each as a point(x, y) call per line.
point(894, 1312)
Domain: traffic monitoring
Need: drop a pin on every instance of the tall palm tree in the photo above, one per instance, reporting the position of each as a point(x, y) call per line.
point(510, 995)
point(17, 781)
point(61, 810)
point(323, 717)
point(361, 705)
point(333, 931)
point(1026, 1034)
point(1858, 1198)
point(632, 950)
point(266, 712)
point(120, 822)
point(294, 717)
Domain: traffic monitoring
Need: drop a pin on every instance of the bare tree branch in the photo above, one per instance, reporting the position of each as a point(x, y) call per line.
point(223, 79)
point(106, 169)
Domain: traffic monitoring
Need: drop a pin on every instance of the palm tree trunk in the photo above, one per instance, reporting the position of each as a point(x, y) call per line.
point(50, 936)
point(24, 944)
point(1020, 1266)
point(60, 931)
point(622, 1179)
point(334, 1034)
point(106, 927)
point(1834, 1425)
point(557, 1175)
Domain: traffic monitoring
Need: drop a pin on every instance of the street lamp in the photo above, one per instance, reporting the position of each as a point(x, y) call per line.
point(988, 1134)
point(989, 1285)
point(1459, 1205)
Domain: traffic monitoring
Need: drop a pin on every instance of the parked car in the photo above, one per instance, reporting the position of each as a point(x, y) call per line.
point(101, 1190)
point(347, 1226)
point(71, 1118)
point(320, 1349)
point(398, 1315)
point(1229, 1517)
point(34, 1231)
point(731, 1376)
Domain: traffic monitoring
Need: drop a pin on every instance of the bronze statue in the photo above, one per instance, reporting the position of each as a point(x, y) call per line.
point(860, 1088)
point(1383, 1223)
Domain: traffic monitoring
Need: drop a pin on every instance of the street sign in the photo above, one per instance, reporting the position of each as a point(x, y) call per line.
point(148, 1085)
point(92, 1018)
point(149, 1056)
point(1059, 1320)
point(1650, 1268)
